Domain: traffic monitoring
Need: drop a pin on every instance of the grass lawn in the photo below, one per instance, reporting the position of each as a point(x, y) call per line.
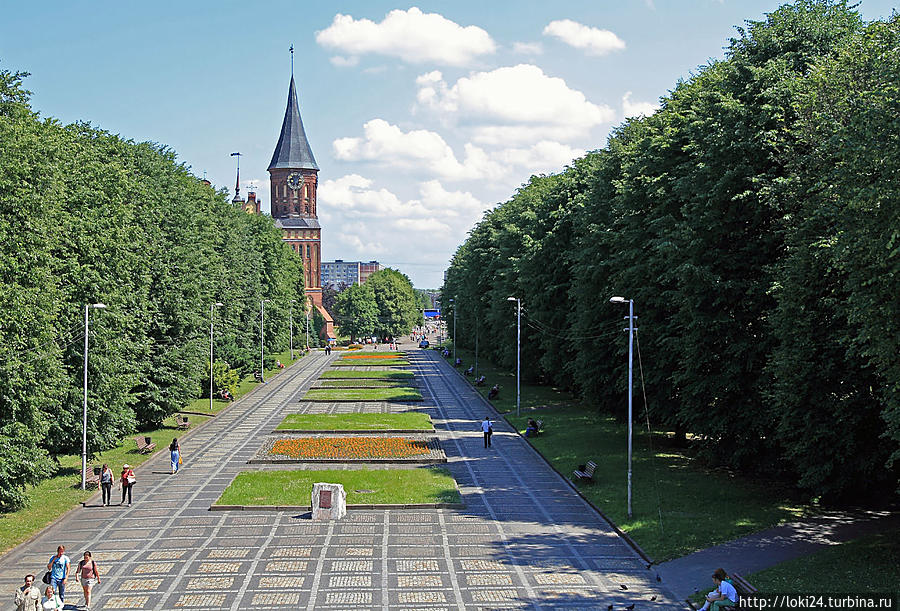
point(362, 383)
point(387, 486)
point(363, 394)
point(356, 422)
point(53, 497)
point(667, 483)
point(387, 362)
point(373, 374)
point(378, 353)
point(870, 564)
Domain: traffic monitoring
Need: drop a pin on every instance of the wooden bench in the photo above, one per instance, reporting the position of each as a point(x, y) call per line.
point(183, 422)
point(92, 476)
point(588, 473)
point(540, 427)
point(743, 587)
point(144, 445)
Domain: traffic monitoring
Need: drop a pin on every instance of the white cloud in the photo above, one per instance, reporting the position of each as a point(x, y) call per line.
point(413, 36)
point(344, 62)
point(518, 102)
point(593, 41)
point(634, 109)
point(528, 48)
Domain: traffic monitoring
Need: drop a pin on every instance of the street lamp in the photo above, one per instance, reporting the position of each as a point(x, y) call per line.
point(262, 335)
point(212, 308)
point(291, 333)
point(87, 307)
point(631, 331)
point(518, 349)
point(307, 327)
point(454, 331)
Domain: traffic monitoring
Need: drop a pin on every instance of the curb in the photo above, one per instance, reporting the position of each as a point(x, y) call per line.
point(349, 507)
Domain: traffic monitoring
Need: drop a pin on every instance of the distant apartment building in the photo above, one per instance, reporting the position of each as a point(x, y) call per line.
point(339, 272)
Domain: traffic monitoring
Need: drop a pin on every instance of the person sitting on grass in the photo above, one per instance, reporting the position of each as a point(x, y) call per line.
point(493, 392)
point(480, 381)
point(458, 362)
point(532, 429)
point(724, 595)
point(470, 370)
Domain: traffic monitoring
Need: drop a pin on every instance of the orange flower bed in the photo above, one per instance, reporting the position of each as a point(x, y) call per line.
point(350, 447)
point(372, 356)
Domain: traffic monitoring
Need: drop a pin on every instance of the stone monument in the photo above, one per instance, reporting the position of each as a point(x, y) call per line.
point(329, 501)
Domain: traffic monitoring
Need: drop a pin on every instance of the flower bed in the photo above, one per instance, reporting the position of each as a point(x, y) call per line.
point(350, 447)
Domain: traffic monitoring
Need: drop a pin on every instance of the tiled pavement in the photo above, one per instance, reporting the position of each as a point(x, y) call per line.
point(524, 541)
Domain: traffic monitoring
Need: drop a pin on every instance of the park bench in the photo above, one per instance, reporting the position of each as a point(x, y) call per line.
point(183, 422)
point(588, 473)
point(540, 427)
point(92, 476)
point(144, 445)
point(743, 587)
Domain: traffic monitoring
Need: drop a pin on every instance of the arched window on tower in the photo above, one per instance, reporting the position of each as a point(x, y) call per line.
point(307, 251)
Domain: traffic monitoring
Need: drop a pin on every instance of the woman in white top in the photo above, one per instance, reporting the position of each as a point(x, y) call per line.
point(51, 600)
point(724, 595)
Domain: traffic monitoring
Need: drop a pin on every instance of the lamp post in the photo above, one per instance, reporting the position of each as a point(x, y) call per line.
point(631, 331)
point(307, 327)
point(454, 331)
point(262, 335)
point(87, 308)
point(518, 350)
point(291, 332)
point(212, 309)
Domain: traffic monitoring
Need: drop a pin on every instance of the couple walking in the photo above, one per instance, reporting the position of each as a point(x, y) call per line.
point(106, 481)
point(28, 597)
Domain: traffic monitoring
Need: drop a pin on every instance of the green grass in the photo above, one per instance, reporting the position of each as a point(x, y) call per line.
point(356, 422)
point(54, 496)
point(363, 394)
point(381, 353)
point(870, 564)
point(388, 486)
point(373, 374)
point(387, 362)
point(362, 383)
point(699, 507)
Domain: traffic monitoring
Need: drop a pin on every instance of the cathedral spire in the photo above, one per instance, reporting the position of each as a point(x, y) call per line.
point(237, 180)
point(292, 150)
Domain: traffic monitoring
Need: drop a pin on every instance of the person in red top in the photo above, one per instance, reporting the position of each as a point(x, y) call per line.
point(128, 480)
point(87, 572)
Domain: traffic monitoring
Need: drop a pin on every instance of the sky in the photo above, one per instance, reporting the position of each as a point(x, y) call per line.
point(421, 116)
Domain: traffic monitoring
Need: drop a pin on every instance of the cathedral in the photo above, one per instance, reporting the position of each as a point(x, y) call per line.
point(293, 176)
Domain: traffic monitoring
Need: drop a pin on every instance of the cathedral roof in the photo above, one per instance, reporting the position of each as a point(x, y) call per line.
point(293, 222)
point(292, 150)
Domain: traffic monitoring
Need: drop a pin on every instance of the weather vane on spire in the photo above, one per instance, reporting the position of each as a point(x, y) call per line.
point(292, 60)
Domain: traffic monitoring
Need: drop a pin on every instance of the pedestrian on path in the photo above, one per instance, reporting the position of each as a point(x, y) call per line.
point(127, 478)
point(175, 453)
point(87, 571)
point(28, 597)
point(59, 571)
point(723, 596)
point(51, 601)
point(106, 481)
point(487, 427)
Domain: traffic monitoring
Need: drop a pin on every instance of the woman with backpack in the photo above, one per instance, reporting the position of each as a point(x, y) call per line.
point(175, 452)
point(89, 576)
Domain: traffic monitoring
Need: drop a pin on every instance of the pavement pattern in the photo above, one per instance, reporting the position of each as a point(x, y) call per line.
point(525, 539)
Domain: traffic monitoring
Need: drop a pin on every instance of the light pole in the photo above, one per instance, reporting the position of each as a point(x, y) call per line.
point(87, 307)
point(262, 335)
point(518, 350)
point(454, 331)
point(630, 330)
point(291, 333)
point(212, 308)
point(307, 327)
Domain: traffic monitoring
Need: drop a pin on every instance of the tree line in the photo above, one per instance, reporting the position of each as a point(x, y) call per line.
point(88, 217)
point(384, 306)
point(754, 220)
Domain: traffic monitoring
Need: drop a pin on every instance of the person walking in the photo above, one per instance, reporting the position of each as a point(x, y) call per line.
point(128, 480)
point(28, 597)
point(59, 571)
point(106, 481)
point(87, 571)
point(51, 602)
point(487, 427)
point(175, 452)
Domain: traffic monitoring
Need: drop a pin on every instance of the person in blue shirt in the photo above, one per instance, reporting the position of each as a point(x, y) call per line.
point(59, 571)
point(724, 595)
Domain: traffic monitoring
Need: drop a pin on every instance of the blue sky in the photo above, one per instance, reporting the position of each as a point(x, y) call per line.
point(421, 116)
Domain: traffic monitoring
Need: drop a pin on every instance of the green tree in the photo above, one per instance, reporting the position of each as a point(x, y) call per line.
point(396, 303)
point(357, 311)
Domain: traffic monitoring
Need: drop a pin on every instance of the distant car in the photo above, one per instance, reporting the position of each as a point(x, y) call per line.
point(424, 343)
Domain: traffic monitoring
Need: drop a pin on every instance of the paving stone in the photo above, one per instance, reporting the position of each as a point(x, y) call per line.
point(203, 601)
point(348, 598)
point(291, 552)
point(350, 581)
point(276, 599)
point(125, 602)
point(270, 581)
point(152, 567)
point(228, 553)
point(559, 579)
point(489, 579)
point(139, 584)
point(405, 598)
point(407, 566)
point(210, 583)
point(419, 581)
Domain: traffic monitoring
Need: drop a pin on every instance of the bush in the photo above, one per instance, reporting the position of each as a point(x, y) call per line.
point(22, 462)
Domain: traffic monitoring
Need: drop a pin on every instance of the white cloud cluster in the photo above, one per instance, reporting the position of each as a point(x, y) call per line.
point(592, 41)
point(528, 48)
point(512, 104)
point(413, 36)
point(635, 109)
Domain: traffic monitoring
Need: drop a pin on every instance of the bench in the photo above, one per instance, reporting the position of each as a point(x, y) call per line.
point(183, 422)
point(92, 476)
point(588, 473)
point(743, 587)
point(540, 427)
point(144, 445)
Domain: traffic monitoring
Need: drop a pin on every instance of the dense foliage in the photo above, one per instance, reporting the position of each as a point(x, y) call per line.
point(385, 306)
point(86, 217)
point(754, 221)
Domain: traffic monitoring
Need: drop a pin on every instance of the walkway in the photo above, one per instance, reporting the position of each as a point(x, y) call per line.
point(524, 541)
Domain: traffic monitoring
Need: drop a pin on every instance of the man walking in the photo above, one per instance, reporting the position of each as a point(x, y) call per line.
point(59, 571)
point(28, 597)
point(487, 427)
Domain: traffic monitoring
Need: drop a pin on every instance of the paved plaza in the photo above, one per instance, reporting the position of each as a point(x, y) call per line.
point(525, 539)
